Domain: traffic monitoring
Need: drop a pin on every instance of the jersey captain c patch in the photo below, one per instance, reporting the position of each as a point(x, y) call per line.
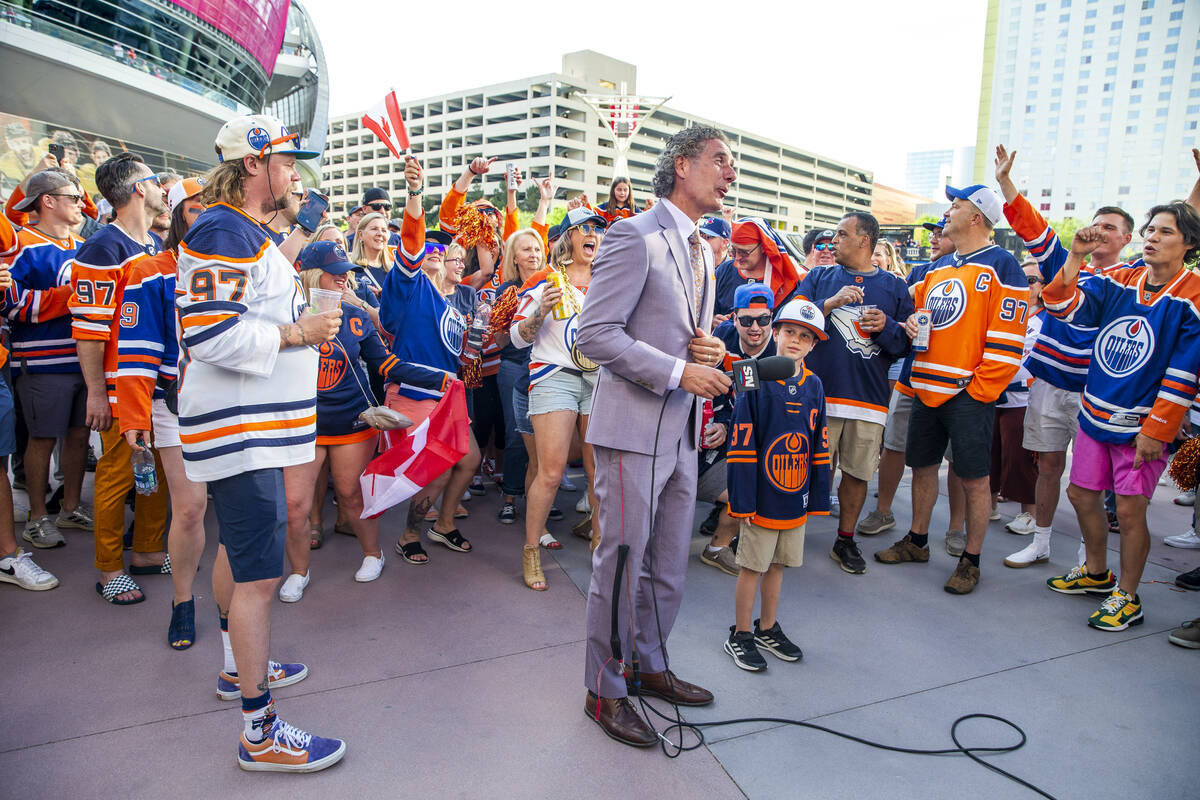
point(946, 301)
point(1124, 346)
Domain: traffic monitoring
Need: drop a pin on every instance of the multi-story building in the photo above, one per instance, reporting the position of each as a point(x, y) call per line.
point(158, 77)
point(927, 172)
point(1101, 98)
point(541, 124)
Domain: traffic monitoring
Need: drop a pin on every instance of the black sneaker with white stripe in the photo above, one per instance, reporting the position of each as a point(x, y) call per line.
point(776, 643)
point(740, 646)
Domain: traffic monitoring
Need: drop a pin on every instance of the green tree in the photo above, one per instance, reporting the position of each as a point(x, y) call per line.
point(922, 235)
point(1065, 228)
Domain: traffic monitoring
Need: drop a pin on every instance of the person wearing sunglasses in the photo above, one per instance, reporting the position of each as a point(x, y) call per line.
point(374, 201)
point(759, 256)
point(746, 334)
point(818, 248)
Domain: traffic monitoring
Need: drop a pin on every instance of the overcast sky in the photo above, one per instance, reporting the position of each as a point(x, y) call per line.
point(863, 82)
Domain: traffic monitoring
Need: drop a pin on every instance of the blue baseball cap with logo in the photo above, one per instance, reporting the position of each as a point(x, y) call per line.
point(715, 226)
point(934, 226)
point(753, 294)
point(327, 256)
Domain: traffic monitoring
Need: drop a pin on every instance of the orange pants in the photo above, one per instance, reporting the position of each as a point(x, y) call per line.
point(114, 479)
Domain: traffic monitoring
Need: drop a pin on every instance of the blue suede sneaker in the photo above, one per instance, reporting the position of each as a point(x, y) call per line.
point(280, 675)
point(289, 749)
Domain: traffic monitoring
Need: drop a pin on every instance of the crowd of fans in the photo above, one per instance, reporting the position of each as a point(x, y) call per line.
point(183, 322)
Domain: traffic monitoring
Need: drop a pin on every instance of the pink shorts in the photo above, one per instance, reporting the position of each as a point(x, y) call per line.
point(1099, 466)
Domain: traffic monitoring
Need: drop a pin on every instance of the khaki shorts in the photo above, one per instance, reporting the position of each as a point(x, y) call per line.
point(759, 547)
point(895, 435)
point(855, 444)
point(1052, 418)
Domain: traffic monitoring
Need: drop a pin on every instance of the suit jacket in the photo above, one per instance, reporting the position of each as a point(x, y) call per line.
point(638, 318)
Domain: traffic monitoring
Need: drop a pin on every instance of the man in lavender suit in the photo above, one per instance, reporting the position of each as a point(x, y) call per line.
point(646, 322)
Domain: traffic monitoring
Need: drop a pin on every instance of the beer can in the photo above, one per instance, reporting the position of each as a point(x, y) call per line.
point(557, 278)
point(510, 174)
point(920, 342)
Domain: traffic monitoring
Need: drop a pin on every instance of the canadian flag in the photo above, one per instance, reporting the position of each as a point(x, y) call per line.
point(385, 121)
point(417, 455)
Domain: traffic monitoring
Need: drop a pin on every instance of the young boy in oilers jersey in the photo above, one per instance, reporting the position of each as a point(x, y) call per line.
point(1140, 383)
point(778, 471)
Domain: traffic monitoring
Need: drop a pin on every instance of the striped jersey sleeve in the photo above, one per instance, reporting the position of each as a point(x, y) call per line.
point(147, 348)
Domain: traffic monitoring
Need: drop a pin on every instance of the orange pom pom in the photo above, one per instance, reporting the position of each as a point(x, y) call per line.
point(1185, 465)
point(474, 229)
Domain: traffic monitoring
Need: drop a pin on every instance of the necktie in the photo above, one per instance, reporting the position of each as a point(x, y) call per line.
point(697, 259)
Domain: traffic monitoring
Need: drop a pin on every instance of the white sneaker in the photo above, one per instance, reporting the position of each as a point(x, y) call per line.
point(293, 588)
point(1188, 498)
point(1022, 524)
point(1188, 540)
point(995, 514)
point(371, 569)
point(21, 570)
point(583, 505)
point(1038, 552)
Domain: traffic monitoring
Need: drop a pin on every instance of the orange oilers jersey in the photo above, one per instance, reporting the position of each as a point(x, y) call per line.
point(979, 303)
point(102, 267)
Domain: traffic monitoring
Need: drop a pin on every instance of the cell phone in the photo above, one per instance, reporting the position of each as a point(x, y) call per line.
point(315, 204)
point(58, 151)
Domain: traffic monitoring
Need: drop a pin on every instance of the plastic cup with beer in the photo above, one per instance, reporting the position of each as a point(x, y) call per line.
point(324, 300)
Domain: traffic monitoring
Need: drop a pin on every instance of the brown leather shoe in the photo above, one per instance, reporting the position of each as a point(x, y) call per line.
point(619, 720)
point(676, 691)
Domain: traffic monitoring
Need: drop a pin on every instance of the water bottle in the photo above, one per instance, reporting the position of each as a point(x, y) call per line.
point(145, 480)
point(479, 325)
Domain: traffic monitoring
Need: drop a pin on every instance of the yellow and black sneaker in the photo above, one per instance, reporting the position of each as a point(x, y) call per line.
point(1077, 581)
point(1117, 612)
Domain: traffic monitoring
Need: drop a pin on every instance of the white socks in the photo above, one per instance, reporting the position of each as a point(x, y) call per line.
point(230, 664)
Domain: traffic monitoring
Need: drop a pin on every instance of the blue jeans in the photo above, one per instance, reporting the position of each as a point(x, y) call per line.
point(516, 460)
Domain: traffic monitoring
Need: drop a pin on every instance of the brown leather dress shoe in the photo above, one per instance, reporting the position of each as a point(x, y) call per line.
point(677, 691)
point(619, 720)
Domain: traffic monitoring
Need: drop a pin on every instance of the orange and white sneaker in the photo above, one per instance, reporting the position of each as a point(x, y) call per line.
point(289, 749)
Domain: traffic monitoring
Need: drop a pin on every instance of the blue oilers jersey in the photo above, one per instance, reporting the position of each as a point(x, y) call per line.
point(343, 389)
point(778, 462)
point(37, 304)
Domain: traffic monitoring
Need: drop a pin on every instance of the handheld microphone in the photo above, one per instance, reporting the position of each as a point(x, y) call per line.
point(748, 374)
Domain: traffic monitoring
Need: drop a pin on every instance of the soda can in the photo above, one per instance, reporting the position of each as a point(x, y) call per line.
point(920, 342)
point(557, 278)
point(706, 418)
point(510, 174)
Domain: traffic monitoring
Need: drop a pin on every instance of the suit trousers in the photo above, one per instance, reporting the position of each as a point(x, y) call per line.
point(623, 496)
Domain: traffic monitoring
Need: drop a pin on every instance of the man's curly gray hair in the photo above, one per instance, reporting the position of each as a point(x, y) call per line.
point(688, 143)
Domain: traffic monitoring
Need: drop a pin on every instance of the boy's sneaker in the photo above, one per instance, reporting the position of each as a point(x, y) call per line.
point(776, 643)
point(740, 645)
point(1186, 635)
point(21, 570)
point(278, 676)
point(43, 534)
point(875, 523)
point(901, 551)
point(508, 514)
point(1117, 612)
point(289, 749)
point(1077, 582)
point(80, 519)
point(845, 552)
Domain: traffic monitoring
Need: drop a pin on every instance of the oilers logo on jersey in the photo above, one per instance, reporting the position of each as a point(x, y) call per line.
point(846, 321)
point(331, 367)
point(452, 326)
point(946, 301)
point(570, 333)
point(1124, 346)
point(786, 462)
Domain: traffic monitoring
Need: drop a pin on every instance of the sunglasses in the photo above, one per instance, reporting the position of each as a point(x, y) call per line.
point(743, 252)
point(824, 246)
point(435, 249)
point(154, 178)
point(74, 198)
point(747, 321)
point(271, 144)
point(1033, 279)
point(381, 206)
point(589, 227)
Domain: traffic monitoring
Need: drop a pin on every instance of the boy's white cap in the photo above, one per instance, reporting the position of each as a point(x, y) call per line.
point(802, 312)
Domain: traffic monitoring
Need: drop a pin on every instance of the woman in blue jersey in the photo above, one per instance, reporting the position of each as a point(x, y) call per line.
point(343, 394)
point(428, 336)
point(371, 256)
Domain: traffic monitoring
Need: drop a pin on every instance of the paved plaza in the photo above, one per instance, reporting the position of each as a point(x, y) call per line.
point(454, 680)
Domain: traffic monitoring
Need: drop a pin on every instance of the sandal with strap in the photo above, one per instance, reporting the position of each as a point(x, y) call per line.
point(452, 539)
point(549, 542)
point(409, 550)
point(118, 586)
point(531, 565)
point(182, 631)
point(316, 538)
point(152, 569)
point(583, 528)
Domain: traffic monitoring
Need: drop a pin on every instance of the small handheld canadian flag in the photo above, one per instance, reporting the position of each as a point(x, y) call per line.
point(385, 121)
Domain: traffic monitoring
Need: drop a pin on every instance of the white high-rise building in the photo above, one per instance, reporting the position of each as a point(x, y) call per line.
point(928, 171)
point(539, 123)
point(1101, 99)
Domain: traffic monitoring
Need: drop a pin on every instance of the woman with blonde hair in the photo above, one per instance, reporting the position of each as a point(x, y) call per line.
point(888, 259)
point(372, 256)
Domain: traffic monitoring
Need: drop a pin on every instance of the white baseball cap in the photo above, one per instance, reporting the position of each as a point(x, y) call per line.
point(983, 198)
point(182, 190)
point(258, 135)
point(802, 312)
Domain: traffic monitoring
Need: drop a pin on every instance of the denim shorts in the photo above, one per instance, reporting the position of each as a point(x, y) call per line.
point(562, 391)
point(521, 413)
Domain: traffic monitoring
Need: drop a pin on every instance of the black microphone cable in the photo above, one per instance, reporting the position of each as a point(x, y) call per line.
point(673, 749)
